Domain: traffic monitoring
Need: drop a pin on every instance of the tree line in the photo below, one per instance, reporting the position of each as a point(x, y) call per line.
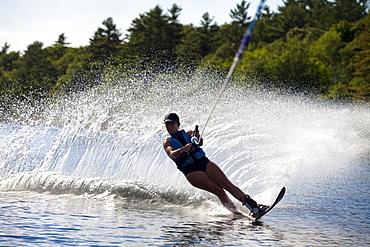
point(314, 46)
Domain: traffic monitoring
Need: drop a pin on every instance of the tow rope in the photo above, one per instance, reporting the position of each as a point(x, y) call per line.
point(238, 55)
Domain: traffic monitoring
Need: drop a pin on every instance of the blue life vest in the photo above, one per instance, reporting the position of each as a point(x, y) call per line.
point(181, 139)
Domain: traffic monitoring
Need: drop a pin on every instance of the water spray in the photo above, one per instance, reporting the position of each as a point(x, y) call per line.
point(238, 55)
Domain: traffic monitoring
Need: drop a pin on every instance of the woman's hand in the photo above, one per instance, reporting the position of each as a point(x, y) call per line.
point(187, 147)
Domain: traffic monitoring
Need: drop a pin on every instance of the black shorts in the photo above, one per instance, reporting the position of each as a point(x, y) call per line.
point(198, 165)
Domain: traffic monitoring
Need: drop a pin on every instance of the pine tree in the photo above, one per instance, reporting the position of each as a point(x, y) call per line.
point(61, 40)
point(106, 41)
point(175, 27)
point(360, 85)
point(35, 74)
point(209, 35)
point(148, 33)
point(154, 37)
point(4, 49)
point(240, 13)
point(350, 10)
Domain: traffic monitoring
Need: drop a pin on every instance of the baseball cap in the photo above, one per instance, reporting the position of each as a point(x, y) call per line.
point(172, 117)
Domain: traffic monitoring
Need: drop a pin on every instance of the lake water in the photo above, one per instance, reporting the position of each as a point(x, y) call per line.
point(90, 170)
point(325, 213)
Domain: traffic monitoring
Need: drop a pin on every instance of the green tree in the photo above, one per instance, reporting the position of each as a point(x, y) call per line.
point(58, 50)
point(175, 27)
point(292, 15)
point(209, 35)
point(61, 40)
point(153, 38)
point(77, 73)
point(264, 31)
point(307, 45)
point(55, 54)
point(231, 34)
point(240, 13)
point(34, 74)
point(286, 63)
point(198, 42)
point(189, 47)
point(320, 14)
point(106, 41)
point(331, 53)
point(8, 63)
point(149, 33)
point(350, 10)
point(4, 49)
point(360, 85)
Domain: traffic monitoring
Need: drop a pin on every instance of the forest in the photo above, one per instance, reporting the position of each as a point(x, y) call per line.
point(316, 47)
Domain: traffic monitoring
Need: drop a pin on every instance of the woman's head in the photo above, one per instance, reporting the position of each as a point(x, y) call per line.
point(172, 122)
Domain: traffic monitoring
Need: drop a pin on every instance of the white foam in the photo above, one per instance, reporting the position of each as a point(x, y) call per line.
point(114, 133)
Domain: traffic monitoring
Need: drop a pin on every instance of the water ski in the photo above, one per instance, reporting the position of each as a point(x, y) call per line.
point(277, 200)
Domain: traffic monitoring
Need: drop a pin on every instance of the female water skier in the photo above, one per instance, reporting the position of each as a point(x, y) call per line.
point(199, 170)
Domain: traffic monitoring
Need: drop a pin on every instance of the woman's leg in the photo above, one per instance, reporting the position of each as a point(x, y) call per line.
point(202, 181)
point(219, 177)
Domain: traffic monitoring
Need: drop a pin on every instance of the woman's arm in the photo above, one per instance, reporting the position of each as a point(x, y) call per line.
point(174, 154)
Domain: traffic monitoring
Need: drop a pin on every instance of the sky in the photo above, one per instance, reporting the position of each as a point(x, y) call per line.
point(23, 22)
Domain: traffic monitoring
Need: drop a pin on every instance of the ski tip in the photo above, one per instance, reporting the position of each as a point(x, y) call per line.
point(282, 191)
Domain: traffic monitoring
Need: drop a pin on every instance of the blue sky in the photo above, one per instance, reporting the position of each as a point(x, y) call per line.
point(24, 21)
